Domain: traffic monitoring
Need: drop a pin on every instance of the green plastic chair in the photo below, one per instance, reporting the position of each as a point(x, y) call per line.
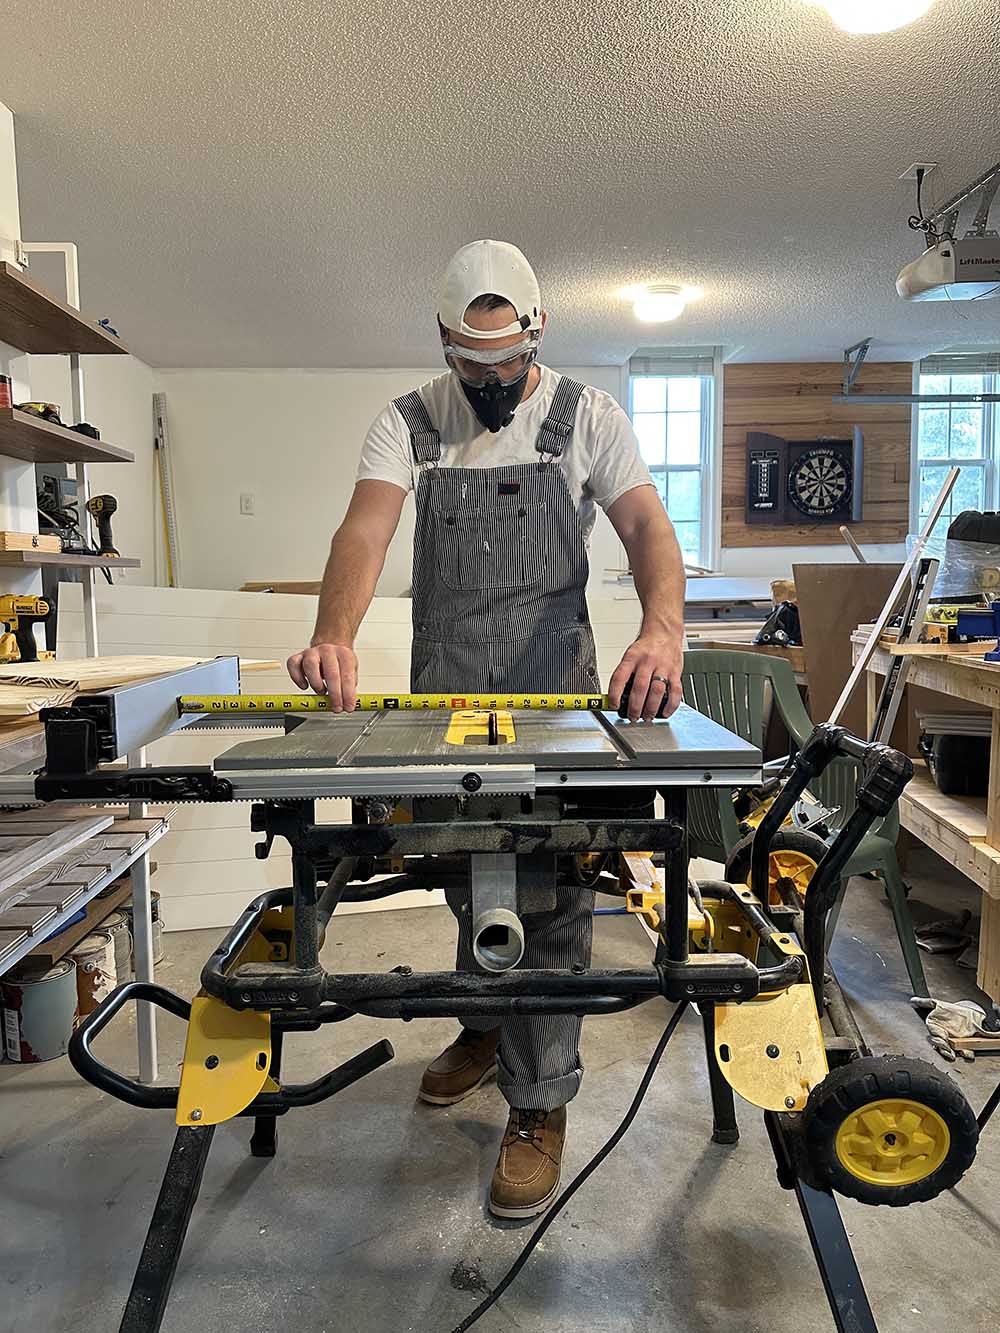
point(737, 690)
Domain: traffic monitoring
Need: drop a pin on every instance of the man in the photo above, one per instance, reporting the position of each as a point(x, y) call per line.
point(507, 460)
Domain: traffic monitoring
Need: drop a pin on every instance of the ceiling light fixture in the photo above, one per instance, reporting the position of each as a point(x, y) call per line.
point(659, 302)
point(869, 16)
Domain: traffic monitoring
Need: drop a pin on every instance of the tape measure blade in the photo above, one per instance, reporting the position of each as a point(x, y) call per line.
point(368, 703)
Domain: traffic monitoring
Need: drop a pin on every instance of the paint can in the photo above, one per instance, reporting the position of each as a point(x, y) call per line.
point(5, 392)
point(117, 927)
point(157, 928)
point(95, 970)
point(39, 1012)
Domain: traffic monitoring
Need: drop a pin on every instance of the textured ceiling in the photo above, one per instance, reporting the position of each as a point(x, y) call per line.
point(279, 183)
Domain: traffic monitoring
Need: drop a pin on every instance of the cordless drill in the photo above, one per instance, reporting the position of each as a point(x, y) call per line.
point(20, 615)
point(101, 507)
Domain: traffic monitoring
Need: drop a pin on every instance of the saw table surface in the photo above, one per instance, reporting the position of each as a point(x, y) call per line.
point(546, 740)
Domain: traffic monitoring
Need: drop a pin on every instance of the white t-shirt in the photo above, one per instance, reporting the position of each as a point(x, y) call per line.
point(600, 463)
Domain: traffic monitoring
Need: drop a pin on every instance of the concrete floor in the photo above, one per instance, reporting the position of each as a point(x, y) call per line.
point(372, 1216)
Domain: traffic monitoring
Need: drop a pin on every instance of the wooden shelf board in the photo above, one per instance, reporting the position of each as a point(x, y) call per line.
point(967, 678)
point(34, 321)
point(31, 559)
point(23, 435)
point(952, 826)
point(964, 815)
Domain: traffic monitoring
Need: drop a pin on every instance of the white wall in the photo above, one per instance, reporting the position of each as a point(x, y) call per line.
point(17, 479)
point(292, 439)
point(119, 402)
point(777, 561)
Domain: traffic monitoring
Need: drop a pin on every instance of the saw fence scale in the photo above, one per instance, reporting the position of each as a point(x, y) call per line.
point(512, 803)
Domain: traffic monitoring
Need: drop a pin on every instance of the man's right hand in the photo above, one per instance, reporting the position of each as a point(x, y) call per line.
point(328, 668)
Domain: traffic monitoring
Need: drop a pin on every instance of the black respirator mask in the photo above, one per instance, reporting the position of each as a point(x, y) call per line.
point(493, 380)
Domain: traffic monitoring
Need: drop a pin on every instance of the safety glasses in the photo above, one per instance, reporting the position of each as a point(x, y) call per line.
point(475, 365)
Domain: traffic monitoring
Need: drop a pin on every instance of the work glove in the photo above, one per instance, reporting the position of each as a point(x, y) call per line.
point(947, 1020)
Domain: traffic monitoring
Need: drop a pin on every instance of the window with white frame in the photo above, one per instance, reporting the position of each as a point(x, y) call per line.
point(671, 401)
point(962, 433)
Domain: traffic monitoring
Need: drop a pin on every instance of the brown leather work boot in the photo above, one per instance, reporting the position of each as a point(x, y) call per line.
point(461, 1068)
point(526, 1179)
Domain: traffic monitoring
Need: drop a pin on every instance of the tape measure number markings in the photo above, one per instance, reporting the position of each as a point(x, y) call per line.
point(372, 703)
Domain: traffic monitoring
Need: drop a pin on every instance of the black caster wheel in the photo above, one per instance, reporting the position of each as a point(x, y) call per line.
point(888, 1130)
point(795, 854)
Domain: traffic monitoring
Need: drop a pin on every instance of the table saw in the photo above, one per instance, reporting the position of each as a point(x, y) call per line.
point(509, 802)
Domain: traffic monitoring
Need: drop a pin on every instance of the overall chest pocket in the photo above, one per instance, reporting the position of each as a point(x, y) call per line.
point(492, 550)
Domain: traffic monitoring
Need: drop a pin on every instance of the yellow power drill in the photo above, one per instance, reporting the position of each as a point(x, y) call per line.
point(20, 615)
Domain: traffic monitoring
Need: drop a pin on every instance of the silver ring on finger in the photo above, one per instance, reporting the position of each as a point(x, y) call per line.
point(662, 679)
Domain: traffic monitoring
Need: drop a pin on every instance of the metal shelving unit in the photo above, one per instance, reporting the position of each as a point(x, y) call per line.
point(34, 321)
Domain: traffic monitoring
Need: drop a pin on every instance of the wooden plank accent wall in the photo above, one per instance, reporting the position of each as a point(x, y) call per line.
point(793, 400)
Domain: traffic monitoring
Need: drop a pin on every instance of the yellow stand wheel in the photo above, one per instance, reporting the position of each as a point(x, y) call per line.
point(887, 1130)
point(795, 854)
point(893, 1141)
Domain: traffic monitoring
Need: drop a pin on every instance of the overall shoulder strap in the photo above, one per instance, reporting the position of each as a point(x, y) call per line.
point(557, 428)
point(426, 441)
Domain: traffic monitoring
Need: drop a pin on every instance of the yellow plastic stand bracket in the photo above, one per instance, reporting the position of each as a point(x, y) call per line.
point(472, 727)
point(226, 1062)
point(770, 1049)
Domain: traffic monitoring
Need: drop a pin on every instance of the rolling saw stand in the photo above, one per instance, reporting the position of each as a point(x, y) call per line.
point(507, 800)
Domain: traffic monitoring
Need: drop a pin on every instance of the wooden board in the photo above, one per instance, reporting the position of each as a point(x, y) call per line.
point(794, 400)
point(33, 320)
point(40, 559)
point(833, 600)
point(20, 701)
point(23, 435)
point(307, 588)
point(32, 917)
point(28, 541)
point(9, 941)
point(28, 687)
point(98, 910)
point(960, 650)
point(91, 673)
point(988, 974)
point(39, 850)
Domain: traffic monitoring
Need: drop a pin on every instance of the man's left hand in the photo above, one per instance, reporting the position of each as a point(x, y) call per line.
point(654, 663)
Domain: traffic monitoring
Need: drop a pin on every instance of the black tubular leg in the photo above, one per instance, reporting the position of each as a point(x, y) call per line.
point(724, 1126)
point(305, 900)
point(828, 1240)
point(264, 1140)
point(987, 1111)
point(154, 1276)
point(675, 879)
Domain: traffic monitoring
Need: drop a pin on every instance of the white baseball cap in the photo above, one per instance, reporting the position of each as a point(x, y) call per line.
point(483, 267)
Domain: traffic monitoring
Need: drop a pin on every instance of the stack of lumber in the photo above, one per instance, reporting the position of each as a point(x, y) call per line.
point(28, 687)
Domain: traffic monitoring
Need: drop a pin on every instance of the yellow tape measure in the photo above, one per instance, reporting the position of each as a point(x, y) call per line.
point(246, 704)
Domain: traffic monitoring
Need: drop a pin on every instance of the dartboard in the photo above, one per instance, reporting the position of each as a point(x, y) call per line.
point(819, 483)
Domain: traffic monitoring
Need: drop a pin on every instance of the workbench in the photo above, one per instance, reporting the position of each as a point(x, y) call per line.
point(963, 830)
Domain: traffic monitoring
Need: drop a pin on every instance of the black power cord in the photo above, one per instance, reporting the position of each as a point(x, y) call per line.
point(575, 1184)
point(917, 221)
